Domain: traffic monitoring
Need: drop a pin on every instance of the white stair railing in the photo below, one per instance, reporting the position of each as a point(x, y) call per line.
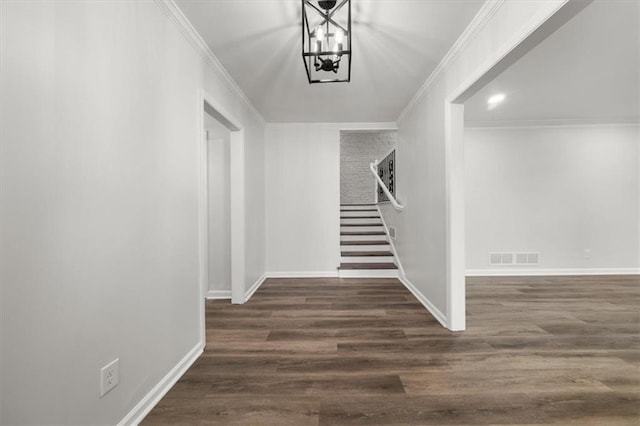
point(374, 169)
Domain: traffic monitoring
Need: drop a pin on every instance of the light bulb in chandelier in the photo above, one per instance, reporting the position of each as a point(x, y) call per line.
point(339, 38)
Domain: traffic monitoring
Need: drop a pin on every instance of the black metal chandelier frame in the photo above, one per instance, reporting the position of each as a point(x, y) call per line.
point(317, 54)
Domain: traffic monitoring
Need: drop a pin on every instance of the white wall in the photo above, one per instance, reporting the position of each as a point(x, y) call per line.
point(302, 182)
point(424, 160)
point(219, 208)
point(556, 191)
point(99, 191)
point(357, 151)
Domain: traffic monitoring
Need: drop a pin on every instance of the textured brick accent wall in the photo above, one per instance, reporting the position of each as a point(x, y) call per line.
point(357, 150)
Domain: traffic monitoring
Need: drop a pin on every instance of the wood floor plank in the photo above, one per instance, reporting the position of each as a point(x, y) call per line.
point(369, 384)
point(473, 409)
point(266, 411)
point(331, 351)
point(342, 335)
point(498, 381)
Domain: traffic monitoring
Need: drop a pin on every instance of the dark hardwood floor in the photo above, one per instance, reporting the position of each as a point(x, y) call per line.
point(538, 350)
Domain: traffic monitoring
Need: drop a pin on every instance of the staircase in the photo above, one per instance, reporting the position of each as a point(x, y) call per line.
point(364, 244)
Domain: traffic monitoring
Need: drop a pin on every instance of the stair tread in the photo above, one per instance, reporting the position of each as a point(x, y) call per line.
point(360, 224)
point(351, 205)
point(366, 253)
point(384, 265)
point(358, 210)
point(363, 233)
point(363, 243)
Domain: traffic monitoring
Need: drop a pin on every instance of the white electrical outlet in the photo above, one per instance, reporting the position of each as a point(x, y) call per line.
point(587, 254)
point(109, 376)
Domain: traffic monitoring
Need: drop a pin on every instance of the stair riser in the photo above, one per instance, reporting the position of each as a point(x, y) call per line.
point(352, 221)
point(367, 259)
point(368, 273)
point(363, 238)
point(350, 214)
point(365, 248)
point(347, 228)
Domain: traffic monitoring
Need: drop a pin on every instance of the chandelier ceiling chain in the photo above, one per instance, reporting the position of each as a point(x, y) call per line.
point(326, 40)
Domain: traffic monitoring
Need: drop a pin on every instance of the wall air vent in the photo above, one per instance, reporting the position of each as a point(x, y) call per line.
point(501, 258)
point(519, 258)
point(531, 258)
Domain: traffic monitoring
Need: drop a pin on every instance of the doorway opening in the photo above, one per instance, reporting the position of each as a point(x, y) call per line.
point(218, 141)
point(358, 149)
point(455, 161)
point(221, 204)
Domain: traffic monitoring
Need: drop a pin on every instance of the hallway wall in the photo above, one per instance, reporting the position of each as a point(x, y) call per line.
point(302, 186)
point(99, 191)
point(555, 190)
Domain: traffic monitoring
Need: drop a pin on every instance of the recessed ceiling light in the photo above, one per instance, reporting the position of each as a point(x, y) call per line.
point(495, 99)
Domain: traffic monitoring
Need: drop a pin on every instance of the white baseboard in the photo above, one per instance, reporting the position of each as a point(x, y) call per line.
point(303, 274)
point(550, 272)
point(219, 294)
point(254, 287)
point(142, 408)
point(442, 319)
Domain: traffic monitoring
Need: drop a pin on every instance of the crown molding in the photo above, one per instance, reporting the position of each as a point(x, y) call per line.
point(349, 127)
point(564, 122)
point(185, 27)
point(478, 22)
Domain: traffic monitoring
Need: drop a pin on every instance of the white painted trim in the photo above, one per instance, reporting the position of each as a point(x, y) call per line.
point(368, 273)
point(550, 272)
point(183, 24)
point(203, 213)
point(146, 404)
point(478, 22)
point(213, 103)
point(347, 127)
point(254, 287)
point(303, 274)
point(366, 127)
point(237, 201)
point(442, 319)
point(541, 124)
point(455, 216)
point(358, 127)
point(237, 178)
point(218, 294)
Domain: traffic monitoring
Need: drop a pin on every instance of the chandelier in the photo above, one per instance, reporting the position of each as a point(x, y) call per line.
point(326, 40)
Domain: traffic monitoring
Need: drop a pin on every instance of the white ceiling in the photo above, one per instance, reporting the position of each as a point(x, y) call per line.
point(396, 45)
point(588, 70)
